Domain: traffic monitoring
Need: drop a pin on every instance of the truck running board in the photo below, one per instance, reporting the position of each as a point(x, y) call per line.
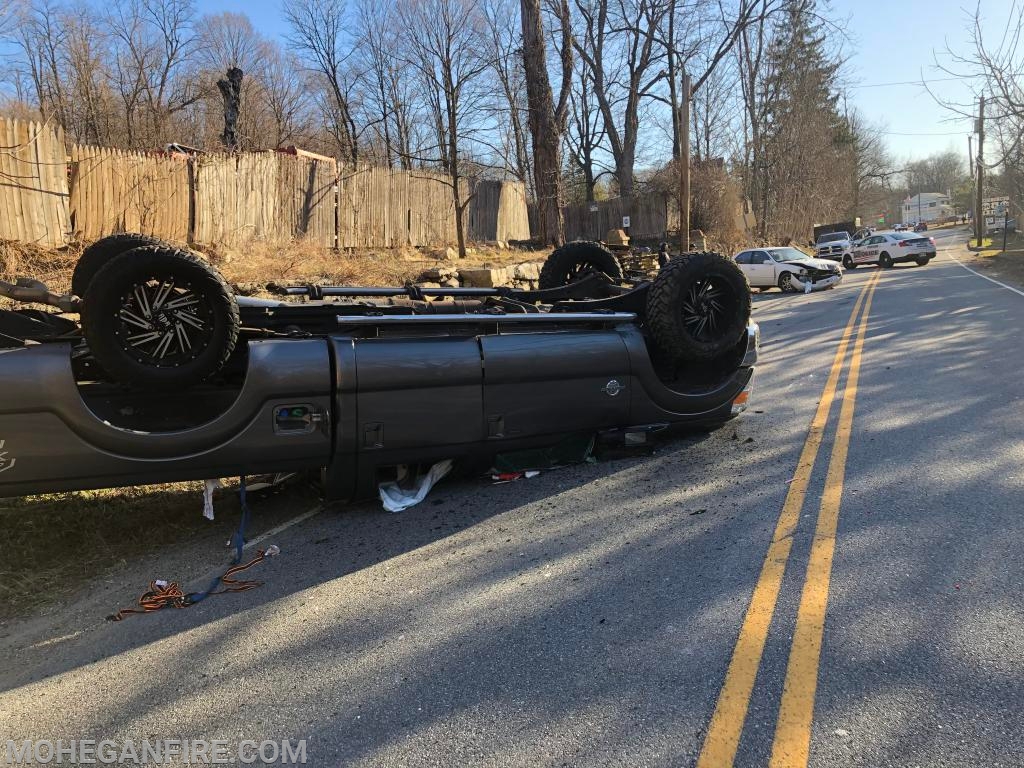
point(545, 318)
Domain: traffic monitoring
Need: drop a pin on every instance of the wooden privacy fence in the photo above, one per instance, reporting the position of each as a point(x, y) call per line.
point(49, 195)
point(385, 207)
point(117, 191)
point(498, 211)
point(33, 183)
point(263, 196)
point(651, 217)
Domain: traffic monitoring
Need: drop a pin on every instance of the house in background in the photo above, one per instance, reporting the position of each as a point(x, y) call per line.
point(928, 207)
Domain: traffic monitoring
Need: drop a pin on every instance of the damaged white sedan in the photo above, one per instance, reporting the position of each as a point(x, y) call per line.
point(787, 268)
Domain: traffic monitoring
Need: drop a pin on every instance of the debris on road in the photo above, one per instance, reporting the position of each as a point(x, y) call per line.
point(409, 490)
point(508, 477)
point(209, 486)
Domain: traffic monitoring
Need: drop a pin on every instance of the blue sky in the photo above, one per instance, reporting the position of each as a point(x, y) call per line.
point(890, 41)
point(893, 41)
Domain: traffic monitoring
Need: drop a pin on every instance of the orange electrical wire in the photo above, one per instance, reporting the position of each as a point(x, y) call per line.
point(171, 595)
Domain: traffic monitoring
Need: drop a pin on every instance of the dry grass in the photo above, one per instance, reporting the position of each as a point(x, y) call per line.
point(259, 263)
point(52, 266)
point(301, 262)
point(298, 262)
point(56, 543)
point(1007, 266)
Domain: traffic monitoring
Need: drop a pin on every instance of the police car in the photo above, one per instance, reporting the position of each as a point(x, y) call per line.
point(888, 248)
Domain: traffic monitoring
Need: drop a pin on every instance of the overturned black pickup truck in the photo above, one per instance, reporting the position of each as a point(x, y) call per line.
point(153, 370)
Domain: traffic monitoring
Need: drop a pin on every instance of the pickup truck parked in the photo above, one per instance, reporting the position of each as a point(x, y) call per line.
point(167, 376)
point(833, 246)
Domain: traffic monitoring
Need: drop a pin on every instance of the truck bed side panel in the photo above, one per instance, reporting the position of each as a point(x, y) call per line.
point(51, 440)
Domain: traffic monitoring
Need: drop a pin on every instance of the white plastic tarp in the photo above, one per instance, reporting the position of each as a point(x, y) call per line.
point(407, 491)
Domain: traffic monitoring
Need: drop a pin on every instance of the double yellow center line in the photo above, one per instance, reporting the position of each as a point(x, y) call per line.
point(793, 731)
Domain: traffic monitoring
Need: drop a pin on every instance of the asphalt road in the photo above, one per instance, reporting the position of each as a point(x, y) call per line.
point(601, 615)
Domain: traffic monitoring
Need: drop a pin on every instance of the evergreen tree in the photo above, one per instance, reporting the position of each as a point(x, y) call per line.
point(805, 136)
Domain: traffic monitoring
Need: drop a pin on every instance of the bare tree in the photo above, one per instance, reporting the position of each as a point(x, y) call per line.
point(42, 38)
point(389, 88)
point(230, 49)
point(940, 172)
point(504, 41)
point(585, 134)
point(991, 63)
point(755, 78)
point(618, 42)
point(154, 45)
point(7, 17)
point(91, 114)
point(870, 164)
point(447, 55)
point(285, 96)
point(229, 40)
point(712, 114)
point(319, 35)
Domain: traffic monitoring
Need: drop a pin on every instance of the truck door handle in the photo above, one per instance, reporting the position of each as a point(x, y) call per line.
point(373, 435)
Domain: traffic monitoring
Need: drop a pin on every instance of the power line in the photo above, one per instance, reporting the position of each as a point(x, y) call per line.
point(950, 133)
point(907, 82)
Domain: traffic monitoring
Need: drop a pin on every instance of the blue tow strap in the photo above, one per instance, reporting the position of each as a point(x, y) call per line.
point(237, 541)
point(238, 538)
point(169, 594)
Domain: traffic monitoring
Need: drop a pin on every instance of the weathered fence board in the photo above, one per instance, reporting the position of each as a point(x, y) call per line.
point(33, 183)
point(306, 193)
point(385, 208)
point(236, 199)
point(118, 191)
point(498, 211)
point(651, 216)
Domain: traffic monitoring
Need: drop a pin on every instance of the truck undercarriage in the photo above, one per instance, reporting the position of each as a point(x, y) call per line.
point(168, 376)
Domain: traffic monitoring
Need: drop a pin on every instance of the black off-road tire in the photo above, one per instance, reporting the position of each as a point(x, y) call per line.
point(96, 256)
point(574, 260)
point(160, 318)
point(698, 307)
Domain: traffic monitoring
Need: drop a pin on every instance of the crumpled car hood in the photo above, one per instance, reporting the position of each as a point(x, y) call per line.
point(821, 264)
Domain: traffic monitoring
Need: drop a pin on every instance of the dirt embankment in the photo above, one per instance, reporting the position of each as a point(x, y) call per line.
point(256, 264)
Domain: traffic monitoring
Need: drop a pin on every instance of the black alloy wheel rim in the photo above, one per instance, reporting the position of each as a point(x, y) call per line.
point(163, 322)
point(707, 307)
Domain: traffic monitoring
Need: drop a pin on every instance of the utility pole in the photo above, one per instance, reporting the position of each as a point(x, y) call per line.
point(970, 157)
point(980, 176)
point(684, 165)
